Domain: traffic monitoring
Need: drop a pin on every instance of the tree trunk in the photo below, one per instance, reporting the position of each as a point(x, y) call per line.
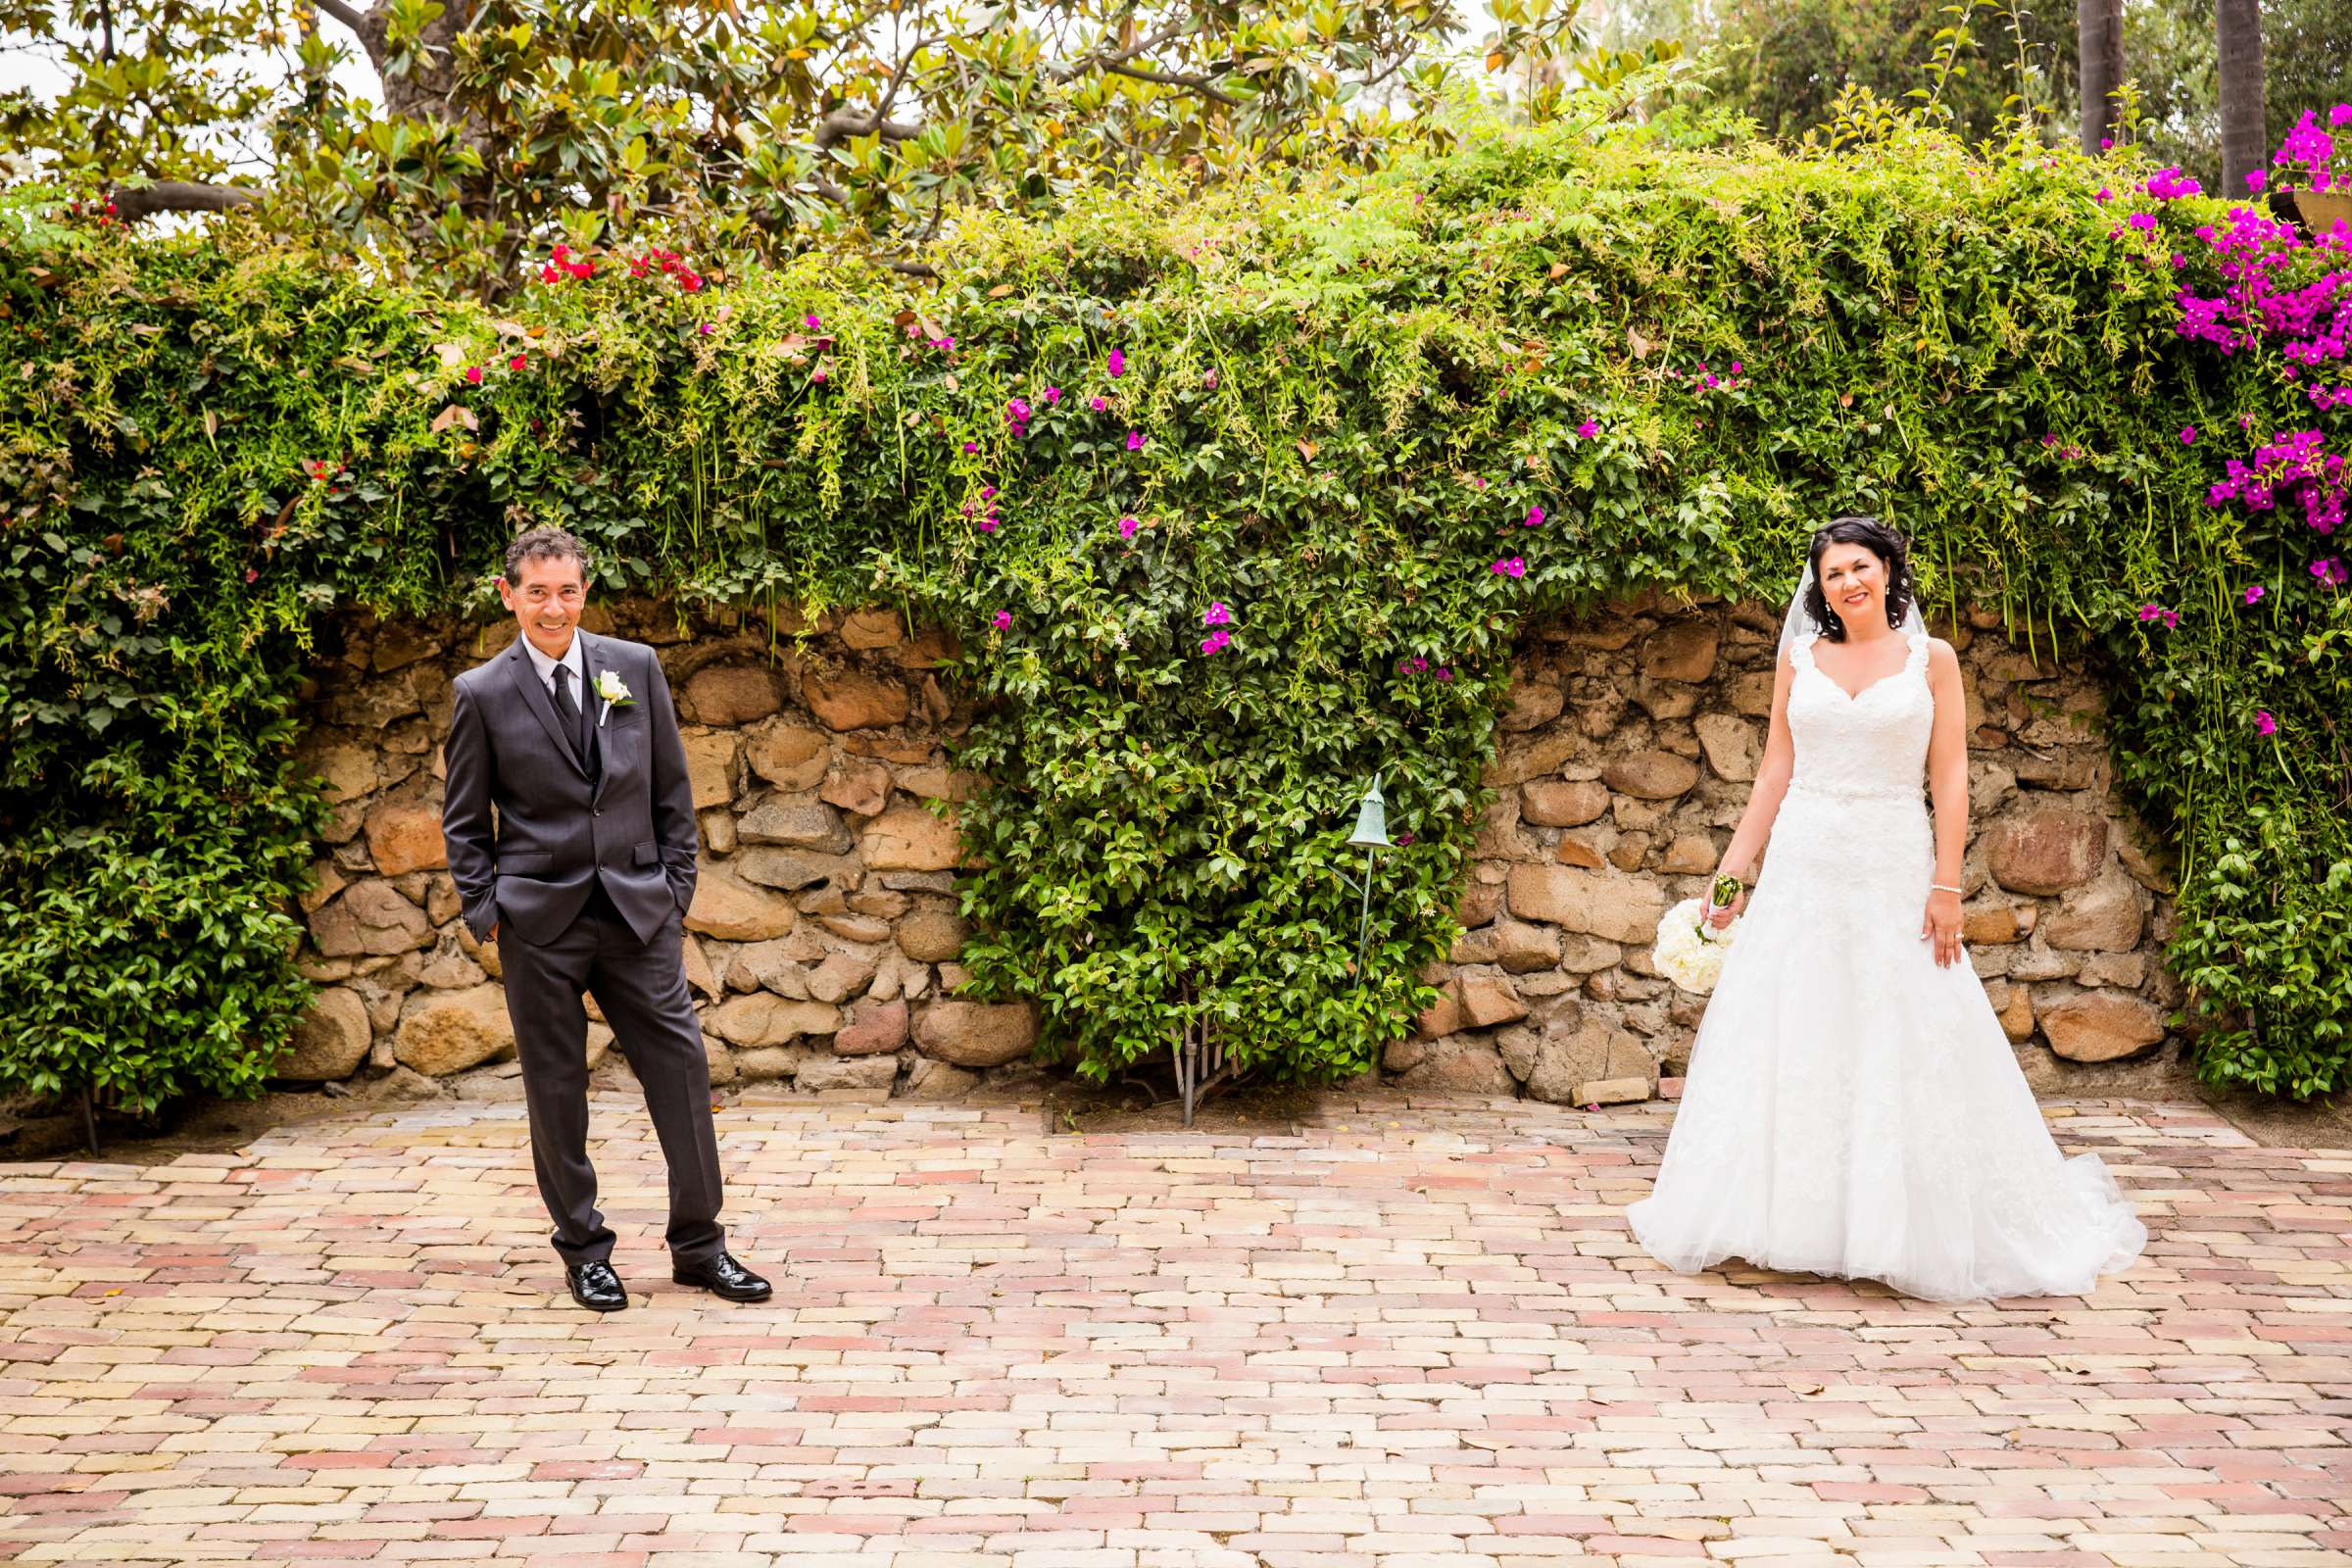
point(2237, 28)
point(2099, 25)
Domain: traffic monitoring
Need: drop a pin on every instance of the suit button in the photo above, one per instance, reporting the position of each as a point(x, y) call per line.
point(599, 810)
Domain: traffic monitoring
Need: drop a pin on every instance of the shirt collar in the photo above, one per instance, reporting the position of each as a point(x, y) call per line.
point(572, 658)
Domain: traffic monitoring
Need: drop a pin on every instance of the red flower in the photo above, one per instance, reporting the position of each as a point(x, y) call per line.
point(473, 375)
point(514, 364)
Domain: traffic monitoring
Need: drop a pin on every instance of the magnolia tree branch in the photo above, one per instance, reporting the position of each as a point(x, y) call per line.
point(350, 15)
point(132, 204)
point(1201, 86)
point(1098, 61)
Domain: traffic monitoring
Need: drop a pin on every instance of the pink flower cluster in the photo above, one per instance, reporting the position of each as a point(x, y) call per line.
point(1707, 379)
point(1511, 566)
point(2293, 465)
point(669, 263)
point(2169, 184)
point(2331, 572)
point(2309, 149)
point(560, 264)
point(2170, 618)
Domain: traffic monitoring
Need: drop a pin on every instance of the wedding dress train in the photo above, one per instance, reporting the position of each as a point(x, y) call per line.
point(1852, 1107)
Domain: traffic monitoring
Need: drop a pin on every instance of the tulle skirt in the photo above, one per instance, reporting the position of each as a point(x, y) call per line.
point(1853, 1109)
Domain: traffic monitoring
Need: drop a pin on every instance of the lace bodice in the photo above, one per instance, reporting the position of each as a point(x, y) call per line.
point(1871, 745)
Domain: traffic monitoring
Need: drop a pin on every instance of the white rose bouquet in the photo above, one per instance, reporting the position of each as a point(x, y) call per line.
point(1689, 952)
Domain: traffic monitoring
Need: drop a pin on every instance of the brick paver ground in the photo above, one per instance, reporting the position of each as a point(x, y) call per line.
point(1399, 1334)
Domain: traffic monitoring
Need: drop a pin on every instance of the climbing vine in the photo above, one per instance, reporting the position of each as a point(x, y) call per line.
point(1234, 502)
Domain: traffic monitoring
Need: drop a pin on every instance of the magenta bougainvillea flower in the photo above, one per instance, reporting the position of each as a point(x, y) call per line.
point(1127, 528)
point(1441, 672)
point(2169, 184)
point(1534, 518)
point(1589, 430)
point(1511, 566)
point(1002, 619)
point(2293, 466)
point(1135, 440)
point(516, 363)
point(1404, 839)
point(2256, 178)
point(1053, 396)
point(2330, 571)
point(1116, 363)
point(1098, 404)
point(811, 321)
point(2254, 593)
point(1216, 614)
point(2154, 612)
point(991, 523)
point(2264, 723)
point(1215, 642)
point(2188, 435)
point(473, 375)
point(972, 446)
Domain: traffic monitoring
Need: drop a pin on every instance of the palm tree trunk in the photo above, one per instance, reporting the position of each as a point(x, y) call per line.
point(2099, 41)
point(2237, 28)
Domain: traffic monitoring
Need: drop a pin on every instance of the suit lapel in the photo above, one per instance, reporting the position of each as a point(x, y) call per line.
point(542, 707)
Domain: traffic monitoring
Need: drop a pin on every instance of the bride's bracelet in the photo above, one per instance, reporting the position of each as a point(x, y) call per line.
point(1938, 886)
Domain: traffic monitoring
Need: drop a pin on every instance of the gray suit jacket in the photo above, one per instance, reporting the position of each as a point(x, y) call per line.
point(555, 834)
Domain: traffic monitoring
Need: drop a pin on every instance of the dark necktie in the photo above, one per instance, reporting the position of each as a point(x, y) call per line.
point(569, 711)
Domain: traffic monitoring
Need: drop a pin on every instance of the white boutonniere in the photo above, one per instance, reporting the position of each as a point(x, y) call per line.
point(616, 695)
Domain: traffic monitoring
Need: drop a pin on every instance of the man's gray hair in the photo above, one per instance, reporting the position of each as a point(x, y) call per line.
point(552, 543)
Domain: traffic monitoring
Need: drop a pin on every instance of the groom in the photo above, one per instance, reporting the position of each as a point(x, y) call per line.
point(587, 868)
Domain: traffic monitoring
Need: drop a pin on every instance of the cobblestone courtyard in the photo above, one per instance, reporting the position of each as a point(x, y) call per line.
point(1393, 1333)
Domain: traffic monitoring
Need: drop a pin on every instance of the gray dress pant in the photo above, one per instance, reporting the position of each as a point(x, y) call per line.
point(641, 986)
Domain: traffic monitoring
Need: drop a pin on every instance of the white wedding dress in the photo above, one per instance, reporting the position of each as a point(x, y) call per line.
point(1852, 1109)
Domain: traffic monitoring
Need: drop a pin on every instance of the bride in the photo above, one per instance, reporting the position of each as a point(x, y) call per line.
point(1853, 1106)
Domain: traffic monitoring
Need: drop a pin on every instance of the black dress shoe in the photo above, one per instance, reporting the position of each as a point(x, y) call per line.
point(724, 1278)
point(596, 1287)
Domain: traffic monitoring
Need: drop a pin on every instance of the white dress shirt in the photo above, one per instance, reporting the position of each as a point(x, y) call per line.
point(573, 661)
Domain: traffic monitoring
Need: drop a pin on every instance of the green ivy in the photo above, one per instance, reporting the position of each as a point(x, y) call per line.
point(1351, 401)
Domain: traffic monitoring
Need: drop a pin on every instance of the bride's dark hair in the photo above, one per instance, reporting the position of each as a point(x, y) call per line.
point(1881, 541)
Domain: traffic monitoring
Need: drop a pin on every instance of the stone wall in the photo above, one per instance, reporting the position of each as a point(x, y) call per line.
point(1626, 760)
point(823, 932)
point(823, 940)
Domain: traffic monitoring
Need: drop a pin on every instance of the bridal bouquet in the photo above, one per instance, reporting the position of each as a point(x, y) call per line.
point(1689, 952)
